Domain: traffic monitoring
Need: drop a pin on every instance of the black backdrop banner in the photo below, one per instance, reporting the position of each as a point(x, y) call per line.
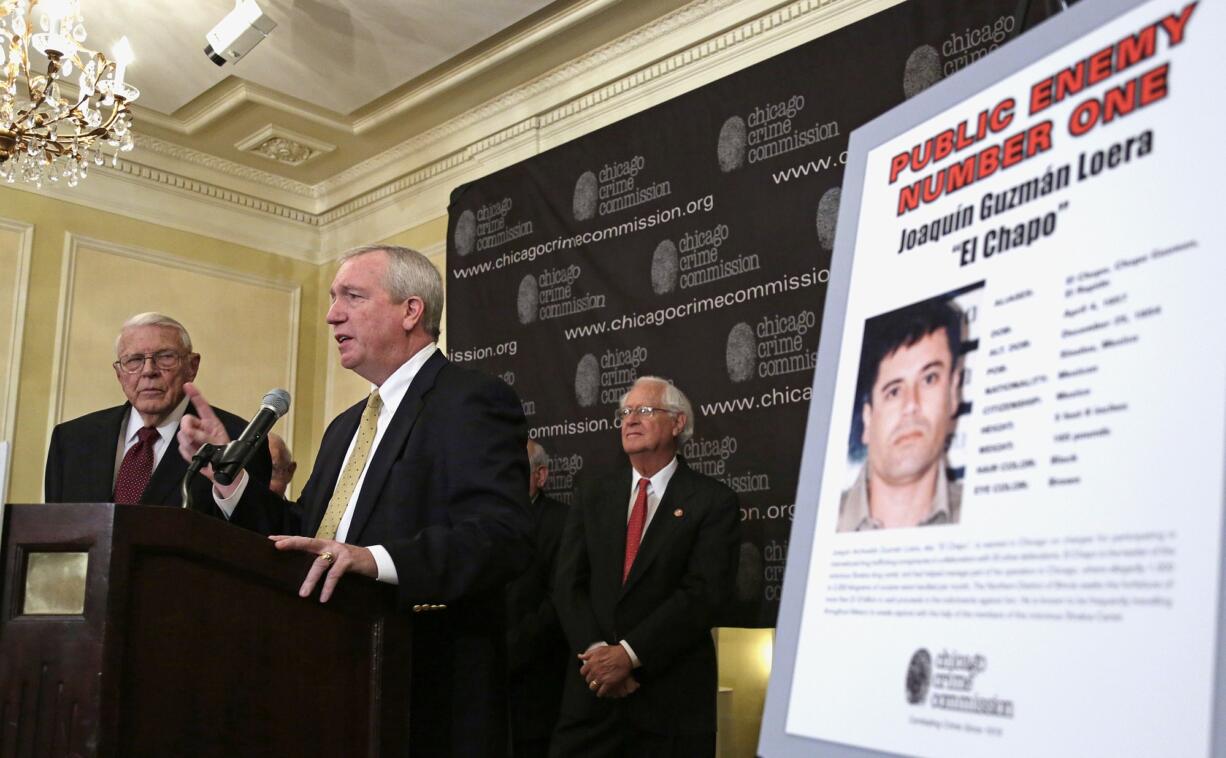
point(691, 241)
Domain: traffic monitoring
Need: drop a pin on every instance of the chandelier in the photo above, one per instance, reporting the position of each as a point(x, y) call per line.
point(55, 125)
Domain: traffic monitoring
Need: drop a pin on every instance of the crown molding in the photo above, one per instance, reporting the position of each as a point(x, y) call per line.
point(411, 182)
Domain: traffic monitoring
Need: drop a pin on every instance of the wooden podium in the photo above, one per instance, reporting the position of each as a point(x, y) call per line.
point(140, 631)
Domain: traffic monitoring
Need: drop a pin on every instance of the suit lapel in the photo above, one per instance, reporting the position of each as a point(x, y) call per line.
point(163, 486)
point(394, 440)
point(611, 520)
point(93, 464)
point(663, 524)
point(331, 456)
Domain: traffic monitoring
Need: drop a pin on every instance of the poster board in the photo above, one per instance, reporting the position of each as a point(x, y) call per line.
point(1064, 593)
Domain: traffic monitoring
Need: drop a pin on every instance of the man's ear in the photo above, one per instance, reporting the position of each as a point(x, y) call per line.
point(955, 389)
point(414, 312)
point(866, 416)
point(193, 366)
point(679, 424)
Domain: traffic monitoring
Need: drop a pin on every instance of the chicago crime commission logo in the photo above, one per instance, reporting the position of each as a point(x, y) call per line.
point(614, 188)
point(465, 233)
point(919, 676)
point(948, 682)
point(664, 268)
point(828, 217)
point(551, 294)
point(696, 260)
point(608, 378)
point(562, 472)
point(488, 228)
point(768, 131)
point(774, 346)
point(731, 147)
point(923, 70)
point(528, 299)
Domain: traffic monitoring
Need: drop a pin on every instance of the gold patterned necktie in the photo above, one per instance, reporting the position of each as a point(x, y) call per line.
point(348, 480)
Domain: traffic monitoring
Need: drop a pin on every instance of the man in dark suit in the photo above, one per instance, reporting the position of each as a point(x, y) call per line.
point(423, 485)
point(129, 453)
point(648, 557)
point(538, 652)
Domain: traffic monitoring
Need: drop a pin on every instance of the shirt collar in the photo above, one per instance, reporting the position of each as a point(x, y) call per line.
point(659, 482)
point(165, 430)
point(393, 389)
point(863, 518)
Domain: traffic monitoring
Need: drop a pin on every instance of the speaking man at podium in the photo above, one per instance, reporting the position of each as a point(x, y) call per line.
point(129, 454)
point(423, 485)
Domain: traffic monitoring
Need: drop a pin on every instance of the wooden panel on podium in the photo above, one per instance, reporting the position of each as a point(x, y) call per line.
point(150, 631)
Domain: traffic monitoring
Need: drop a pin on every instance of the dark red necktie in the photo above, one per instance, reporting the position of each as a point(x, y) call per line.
point(634, 527)
point(136, 468)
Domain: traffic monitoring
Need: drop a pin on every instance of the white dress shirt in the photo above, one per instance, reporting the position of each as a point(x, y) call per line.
point(391, 392)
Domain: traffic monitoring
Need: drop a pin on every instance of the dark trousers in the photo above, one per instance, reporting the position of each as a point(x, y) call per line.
point(612, 736)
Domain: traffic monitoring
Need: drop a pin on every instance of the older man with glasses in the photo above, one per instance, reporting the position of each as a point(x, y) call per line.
point(648, 557)
point(129, 454)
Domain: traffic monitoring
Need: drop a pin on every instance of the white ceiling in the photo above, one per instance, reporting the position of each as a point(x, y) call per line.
point(335, 54)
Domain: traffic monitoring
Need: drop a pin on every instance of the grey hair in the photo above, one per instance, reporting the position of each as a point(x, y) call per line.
point(674, 399)
point(538, 456)
point(409, 274)
point(153, 318)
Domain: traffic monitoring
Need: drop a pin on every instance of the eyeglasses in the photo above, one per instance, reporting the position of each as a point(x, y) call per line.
point(642, 411)
point(134, 364)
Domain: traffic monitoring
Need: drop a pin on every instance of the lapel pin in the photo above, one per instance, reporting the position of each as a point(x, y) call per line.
point(678, 513)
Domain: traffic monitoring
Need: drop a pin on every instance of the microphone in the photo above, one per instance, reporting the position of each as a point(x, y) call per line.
point(237, 454)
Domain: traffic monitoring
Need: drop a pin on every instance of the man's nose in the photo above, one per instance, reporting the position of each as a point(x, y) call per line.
point(149, 368)
point(911, 398)
point(334, 313)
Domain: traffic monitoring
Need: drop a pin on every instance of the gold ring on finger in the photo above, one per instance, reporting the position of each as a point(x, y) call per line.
point(326, 557)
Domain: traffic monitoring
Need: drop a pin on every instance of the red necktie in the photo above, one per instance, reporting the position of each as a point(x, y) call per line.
point(634, 527)
point(136, 468)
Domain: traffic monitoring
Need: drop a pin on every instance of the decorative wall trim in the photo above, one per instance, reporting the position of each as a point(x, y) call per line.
point(230, 168)
point(207, 189)
point(21, 292)
point(283, 145)
point(73, 242)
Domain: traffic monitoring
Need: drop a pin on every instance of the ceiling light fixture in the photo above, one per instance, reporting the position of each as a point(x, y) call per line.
point(47, 133)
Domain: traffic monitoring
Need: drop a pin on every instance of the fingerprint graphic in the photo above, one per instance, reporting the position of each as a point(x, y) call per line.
point(584, 203)
point(587, 380)
point(731, 148)
point(741, 352)
point(749, 573)
point(923, 70)
point(465, 233)
point(664, 268)
point(529, 299)
point(828, 217)
point(919, 675)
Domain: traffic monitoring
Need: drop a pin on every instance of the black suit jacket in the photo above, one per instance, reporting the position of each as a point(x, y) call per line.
point(81, 463)
point(446, 493)
point(538, 651)
point(684, 571)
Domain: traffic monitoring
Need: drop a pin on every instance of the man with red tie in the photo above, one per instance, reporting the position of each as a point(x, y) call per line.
point(648, 557)
point(129, 454)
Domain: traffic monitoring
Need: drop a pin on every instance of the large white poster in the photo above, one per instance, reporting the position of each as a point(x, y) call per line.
point(1017, 546)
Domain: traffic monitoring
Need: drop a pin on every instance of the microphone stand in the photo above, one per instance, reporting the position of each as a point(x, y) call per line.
point(202, 457)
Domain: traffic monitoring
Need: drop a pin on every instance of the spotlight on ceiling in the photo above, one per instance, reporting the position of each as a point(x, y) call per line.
point(240, 31)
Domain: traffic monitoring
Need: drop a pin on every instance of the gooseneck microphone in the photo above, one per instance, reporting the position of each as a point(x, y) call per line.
point(235, 456)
